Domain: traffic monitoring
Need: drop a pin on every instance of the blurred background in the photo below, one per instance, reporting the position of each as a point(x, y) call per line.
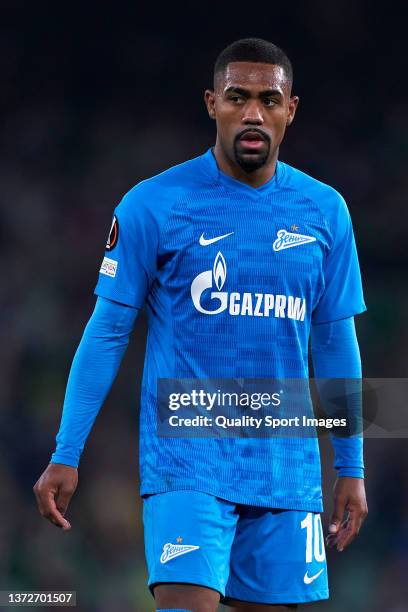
point(94, 98)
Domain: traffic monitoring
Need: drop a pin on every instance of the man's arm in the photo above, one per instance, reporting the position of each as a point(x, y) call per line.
point(336, 354)
point(92, 373)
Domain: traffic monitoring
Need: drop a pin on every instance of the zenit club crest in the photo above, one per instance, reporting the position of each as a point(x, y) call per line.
point(170, 551)
point(113, 235)
point(287, 240)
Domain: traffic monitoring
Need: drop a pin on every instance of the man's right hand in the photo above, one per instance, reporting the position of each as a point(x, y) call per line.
point(53, 491)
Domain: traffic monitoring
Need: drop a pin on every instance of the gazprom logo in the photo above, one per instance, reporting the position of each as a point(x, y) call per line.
point(205, 281)
point(244, 304)
point(219, 270)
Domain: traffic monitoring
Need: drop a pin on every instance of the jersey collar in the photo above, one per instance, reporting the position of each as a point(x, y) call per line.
point(211, 167)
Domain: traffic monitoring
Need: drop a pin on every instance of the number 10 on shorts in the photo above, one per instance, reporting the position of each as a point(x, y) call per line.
point(314, 537)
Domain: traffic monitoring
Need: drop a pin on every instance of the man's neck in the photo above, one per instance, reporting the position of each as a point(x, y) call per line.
point(255, 179)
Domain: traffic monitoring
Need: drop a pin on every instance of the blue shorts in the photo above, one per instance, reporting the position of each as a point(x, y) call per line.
point(253, 554)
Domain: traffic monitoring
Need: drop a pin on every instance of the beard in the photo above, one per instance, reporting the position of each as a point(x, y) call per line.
point(249, 162)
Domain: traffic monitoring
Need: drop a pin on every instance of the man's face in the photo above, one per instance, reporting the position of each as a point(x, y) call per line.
point(252, 106)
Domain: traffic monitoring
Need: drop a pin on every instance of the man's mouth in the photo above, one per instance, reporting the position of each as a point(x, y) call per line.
point(252, 140)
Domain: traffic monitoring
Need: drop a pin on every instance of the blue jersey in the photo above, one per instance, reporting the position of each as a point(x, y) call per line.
point(232, 277)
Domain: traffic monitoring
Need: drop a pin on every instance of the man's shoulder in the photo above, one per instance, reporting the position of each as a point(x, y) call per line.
point(153, 198)
point(177, 179)
point(326, 197)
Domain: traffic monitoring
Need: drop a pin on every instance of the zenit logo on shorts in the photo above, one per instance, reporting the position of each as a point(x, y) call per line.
point(170, 551)
point(232, 278)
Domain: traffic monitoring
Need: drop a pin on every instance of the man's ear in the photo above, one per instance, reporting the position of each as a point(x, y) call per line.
point(293, 104)
point(209, 99)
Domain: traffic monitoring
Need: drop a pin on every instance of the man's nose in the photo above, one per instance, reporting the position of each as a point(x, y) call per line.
point(252, 113)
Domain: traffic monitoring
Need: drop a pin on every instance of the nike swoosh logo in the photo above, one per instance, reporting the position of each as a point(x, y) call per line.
point(206, 241)
point(309, 580)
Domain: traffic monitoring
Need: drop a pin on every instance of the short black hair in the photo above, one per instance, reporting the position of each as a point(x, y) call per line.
point(253, 50)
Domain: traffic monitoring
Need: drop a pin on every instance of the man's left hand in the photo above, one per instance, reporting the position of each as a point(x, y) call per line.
point(350, 510)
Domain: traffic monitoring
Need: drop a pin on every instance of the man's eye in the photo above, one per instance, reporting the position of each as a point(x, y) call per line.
point(236, 98)
point(269, 102)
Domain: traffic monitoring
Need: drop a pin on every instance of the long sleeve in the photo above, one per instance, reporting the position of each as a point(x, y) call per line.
point(94, 368)
point(335, 354)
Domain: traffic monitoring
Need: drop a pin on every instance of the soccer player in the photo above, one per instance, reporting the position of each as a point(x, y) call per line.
point(239, 258)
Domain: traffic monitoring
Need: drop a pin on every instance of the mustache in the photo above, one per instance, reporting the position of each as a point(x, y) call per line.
point(264, 135)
